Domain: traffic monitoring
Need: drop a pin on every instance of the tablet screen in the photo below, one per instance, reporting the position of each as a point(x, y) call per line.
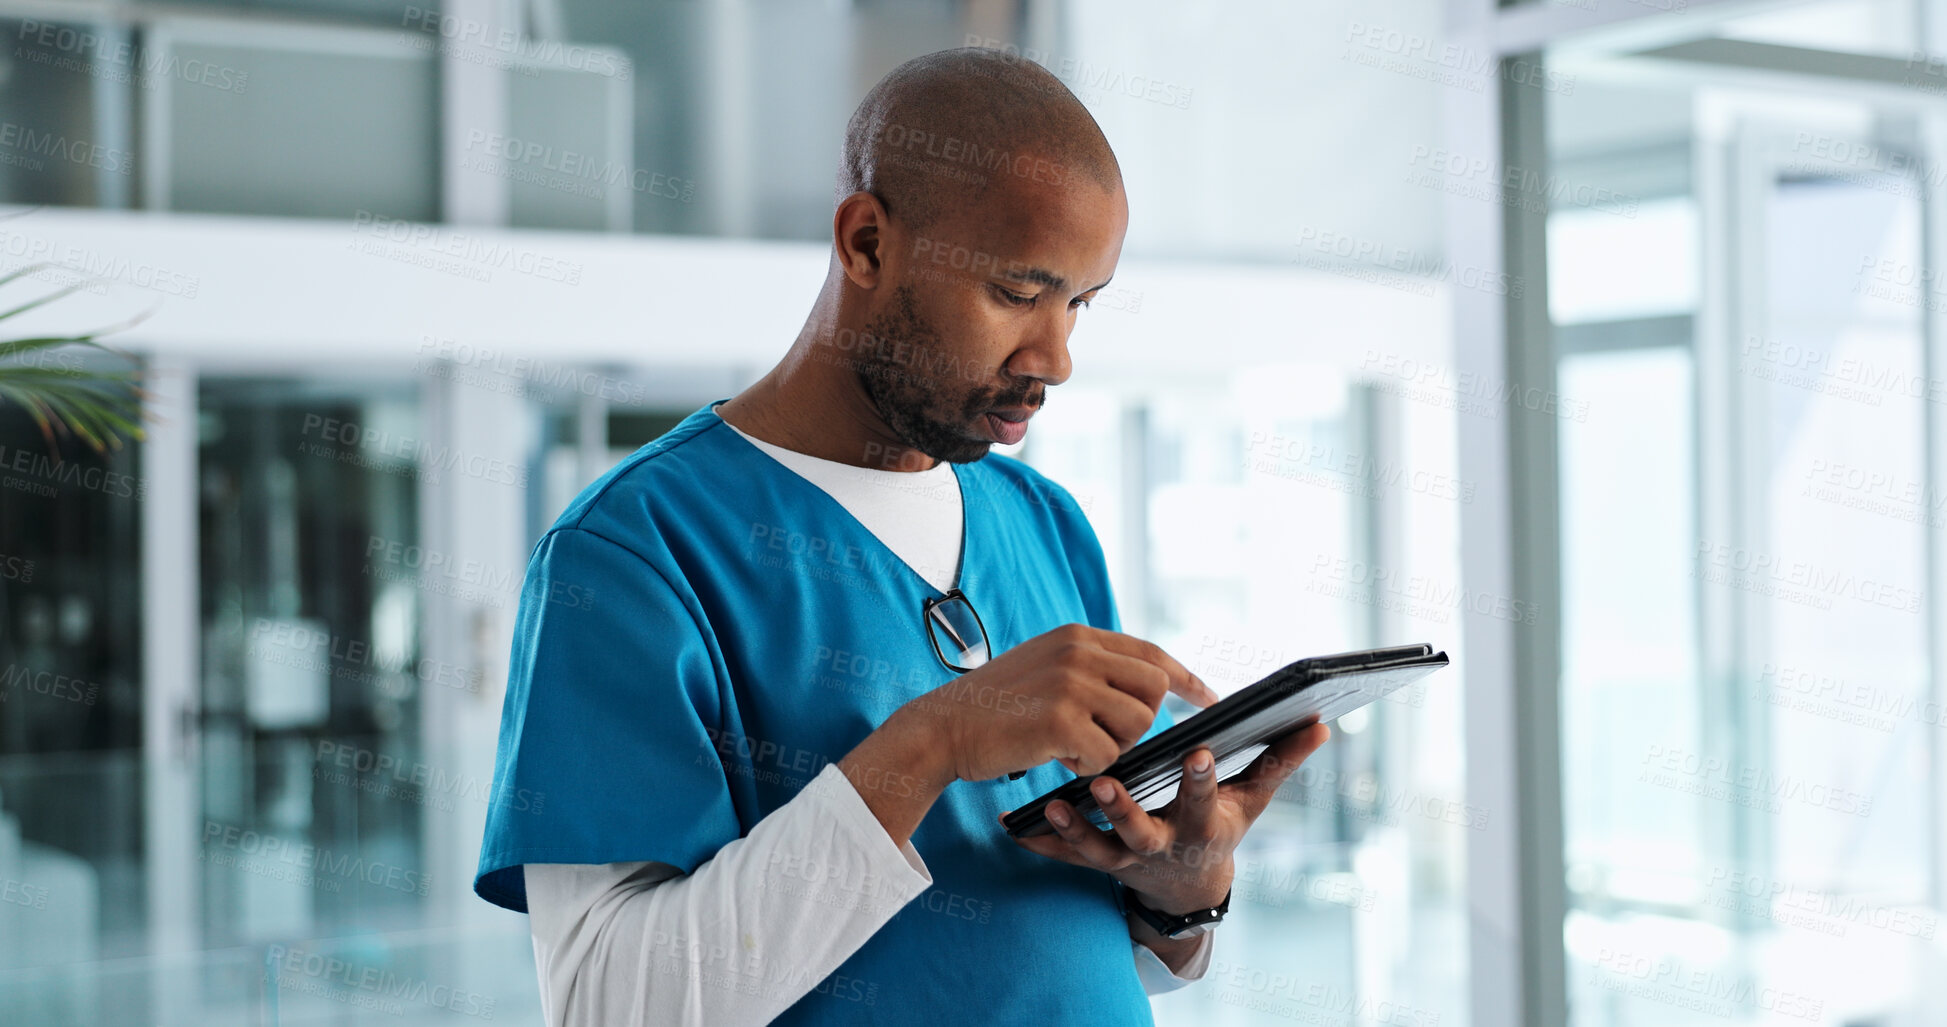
point(1327, 700)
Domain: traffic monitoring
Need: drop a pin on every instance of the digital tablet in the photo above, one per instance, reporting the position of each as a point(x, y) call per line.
point(1241, 725)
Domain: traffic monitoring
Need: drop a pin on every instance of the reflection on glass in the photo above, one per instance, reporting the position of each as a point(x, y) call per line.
point(1261, 506)
point(309, 501)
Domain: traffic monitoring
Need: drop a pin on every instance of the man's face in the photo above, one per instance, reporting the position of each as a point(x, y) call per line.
point(973, 320)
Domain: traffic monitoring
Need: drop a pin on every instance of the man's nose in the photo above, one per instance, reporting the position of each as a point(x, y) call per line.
point(1043, 354)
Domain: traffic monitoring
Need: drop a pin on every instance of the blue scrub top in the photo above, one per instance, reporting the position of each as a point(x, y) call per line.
point(703, 630)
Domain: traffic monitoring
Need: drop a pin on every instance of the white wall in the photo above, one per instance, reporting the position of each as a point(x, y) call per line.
point(244, 292)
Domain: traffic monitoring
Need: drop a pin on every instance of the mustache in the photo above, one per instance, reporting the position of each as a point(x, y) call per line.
point(1031, 396)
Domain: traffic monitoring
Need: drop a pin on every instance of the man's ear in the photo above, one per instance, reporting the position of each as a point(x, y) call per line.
point(857, 235)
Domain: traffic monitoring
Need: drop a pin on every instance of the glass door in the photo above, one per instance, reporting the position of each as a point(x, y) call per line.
point(72, 886)
point(1824, 573)
point(1750, 529)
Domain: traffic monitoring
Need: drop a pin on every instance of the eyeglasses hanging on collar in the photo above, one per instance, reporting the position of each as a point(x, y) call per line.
point(959, 639)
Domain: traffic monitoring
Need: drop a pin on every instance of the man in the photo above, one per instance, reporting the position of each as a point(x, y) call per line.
point(755, 752)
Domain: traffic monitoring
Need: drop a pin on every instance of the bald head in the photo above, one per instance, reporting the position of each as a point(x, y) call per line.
point(944, 133)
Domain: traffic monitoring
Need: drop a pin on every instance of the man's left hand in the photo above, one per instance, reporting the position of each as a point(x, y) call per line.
point(1178, 858)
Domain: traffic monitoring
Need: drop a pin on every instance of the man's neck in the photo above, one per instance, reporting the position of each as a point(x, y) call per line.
point(800, 406)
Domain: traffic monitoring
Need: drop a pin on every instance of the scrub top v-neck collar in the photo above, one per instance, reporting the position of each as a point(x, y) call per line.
point(961, 578)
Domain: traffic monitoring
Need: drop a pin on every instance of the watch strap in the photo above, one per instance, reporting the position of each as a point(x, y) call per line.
point(1175, 925)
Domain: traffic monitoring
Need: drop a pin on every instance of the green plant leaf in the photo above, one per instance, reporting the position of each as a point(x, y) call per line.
point(97, 406)
point(43, 301)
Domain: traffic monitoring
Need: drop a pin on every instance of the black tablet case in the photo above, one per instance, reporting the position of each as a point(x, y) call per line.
point(1238, 727)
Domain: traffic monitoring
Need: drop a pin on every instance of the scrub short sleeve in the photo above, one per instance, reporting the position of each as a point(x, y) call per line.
point(605, 752)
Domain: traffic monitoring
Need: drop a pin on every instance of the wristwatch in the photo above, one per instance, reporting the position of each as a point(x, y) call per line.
point(1184, 925)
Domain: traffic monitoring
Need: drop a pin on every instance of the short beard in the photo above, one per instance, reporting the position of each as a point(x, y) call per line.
point(915, 396)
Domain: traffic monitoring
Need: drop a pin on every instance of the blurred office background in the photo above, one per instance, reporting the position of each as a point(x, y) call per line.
point(1597, 342)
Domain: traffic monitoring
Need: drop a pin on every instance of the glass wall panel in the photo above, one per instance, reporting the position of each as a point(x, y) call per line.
point(72, 883)
point(65, 126)
point(296, 130)
point(1747, 535)
point(1268, 513)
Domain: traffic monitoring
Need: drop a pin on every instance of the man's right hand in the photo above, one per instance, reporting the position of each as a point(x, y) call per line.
point(1077, 694)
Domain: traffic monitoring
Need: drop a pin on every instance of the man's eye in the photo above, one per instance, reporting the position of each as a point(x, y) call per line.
point(1014, 299)
point(1084, 301)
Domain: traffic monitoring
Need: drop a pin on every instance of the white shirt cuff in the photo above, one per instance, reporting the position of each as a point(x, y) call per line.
point(1156, 975)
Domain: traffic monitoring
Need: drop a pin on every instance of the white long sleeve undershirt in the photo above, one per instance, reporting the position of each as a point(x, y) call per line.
point(755, 928)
